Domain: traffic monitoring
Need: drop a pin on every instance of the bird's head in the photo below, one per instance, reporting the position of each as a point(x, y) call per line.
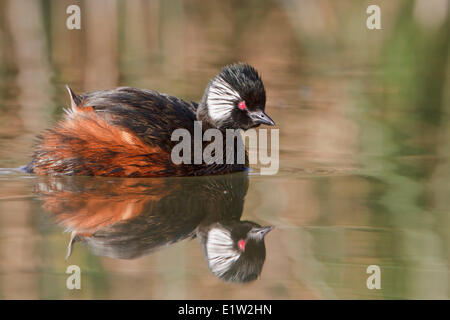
point(236, 252)
point(235, 99)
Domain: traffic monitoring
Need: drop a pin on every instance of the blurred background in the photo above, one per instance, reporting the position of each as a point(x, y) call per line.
point(364, 140)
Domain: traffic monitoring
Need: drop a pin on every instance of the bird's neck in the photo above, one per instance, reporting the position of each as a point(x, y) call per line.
point(203, 115)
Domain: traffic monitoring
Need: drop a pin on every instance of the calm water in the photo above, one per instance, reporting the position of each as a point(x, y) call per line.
point(364, 150)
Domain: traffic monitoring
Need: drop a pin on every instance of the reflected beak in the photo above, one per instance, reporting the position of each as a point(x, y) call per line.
point(259, 117)
point(259, 233)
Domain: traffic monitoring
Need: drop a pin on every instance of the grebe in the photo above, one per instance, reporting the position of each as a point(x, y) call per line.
point(126, 132)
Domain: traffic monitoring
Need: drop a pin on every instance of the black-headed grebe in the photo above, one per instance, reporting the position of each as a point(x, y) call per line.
point(126, 132)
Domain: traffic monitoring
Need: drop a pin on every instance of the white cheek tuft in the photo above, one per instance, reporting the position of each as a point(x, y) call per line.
point(221, 98)
point(220, 252)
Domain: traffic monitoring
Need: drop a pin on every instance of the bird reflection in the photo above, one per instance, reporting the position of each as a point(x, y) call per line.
point(129, 218)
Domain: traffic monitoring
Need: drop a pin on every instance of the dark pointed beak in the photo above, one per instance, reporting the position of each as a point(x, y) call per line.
point(259, 117)
point(260, 233)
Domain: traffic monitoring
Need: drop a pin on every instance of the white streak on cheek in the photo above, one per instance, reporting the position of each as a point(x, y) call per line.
point(220, 252)
point(220, 100)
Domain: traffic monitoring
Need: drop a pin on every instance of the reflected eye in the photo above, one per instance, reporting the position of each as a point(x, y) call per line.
point(242, 105)
point(241, 245)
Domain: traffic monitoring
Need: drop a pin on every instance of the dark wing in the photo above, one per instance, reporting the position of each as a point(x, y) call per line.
point(152, 116)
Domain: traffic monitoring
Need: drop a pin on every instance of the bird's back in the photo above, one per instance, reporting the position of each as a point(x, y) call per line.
point(151, 115)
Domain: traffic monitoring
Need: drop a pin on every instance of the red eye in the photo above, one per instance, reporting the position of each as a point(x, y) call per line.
point(241, 245)
point(242, 105)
